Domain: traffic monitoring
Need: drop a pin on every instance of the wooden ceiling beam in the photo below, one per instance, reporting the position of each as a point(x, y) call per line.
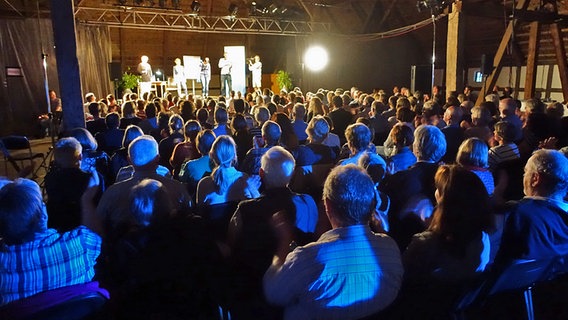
point(387, 14)
point(498, 60)
point(557, 37)
point(530, 79)
point(305, 7)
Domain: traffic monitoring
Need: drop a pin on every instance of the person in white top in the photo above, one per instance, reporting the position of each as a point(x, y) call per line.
point(226, 82)
point(179, 77)
point(256, 68)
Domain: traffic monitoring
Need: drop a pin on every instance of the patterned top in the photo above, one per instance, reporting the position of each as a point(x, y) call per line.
point(502, 153)
point(349, 273)
point(50, 261)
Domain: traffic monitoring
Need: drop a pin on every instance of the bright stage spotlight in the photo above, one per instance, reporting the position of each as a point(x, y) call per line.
point(316, 58)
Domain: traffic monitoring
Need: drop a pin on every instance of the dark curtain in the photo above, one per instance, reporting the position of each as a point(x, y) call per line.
point(94, 52)
point(23, 99)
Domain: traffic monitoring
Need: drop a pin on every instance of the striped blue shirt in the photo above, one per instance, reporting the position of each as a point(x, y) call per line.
point(50, 261)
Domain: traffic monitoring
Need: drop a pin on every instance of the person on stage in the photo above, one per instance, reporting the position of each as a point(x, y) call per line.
point(205, 76)
point(256, 68)
point(145, 70)
point(179, 77)
point(226, 83)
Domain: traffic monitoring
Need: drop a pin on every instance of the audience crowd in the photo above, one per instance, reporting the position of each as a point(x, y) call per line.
point(338, 204)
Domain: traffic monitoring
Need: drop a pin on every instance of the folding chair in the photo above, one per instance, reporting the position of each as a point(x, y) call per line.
point(17, 150)
point(520, 276)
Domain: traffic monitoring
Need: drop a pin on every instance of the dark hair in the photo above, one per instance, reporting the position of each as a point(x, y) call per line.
point(239, 123)
point(112, 120)
point(464, 209)
point(191, 129)
point(239, 105)
point(150, 110)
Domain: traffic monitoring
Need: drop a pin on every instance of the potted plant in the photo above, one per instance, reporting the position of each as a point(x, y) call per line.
point(128, 81)
point(283, 79)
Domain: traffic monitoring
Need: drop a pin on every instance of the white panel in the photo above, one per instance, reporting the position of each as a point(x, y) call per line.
point(238, 73)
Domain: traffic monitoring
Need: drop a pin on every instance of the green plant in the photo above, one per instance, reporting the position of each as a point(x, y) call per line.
point(128, 81)
point(284, 80)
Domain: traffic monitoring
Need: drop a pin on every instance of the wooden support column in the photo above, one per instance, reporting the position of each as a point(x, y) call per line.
point(532, 63)
point(63, 22)
point(498, 60)
point(455, 49)
point(556, 34)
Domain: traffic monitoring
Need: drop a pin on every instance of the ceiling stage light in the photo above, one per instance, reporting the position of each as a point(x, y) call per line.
point(316, 58)
point(233, 9)
point(195, 6)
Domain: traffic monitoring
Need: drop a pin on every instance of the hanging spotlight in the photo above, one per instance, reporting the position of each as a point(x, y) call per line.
point(162, 4)
point(175, 4)
point(233, 9)
point(195, 7)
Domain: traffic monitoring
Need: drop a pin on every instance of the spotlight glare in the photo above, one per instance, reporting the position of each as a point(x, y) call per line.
point(316, 58)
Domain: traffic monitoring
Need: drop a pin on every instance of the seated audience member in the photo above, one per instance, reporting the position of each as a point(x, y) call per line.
point(110, 140)
point(202, 116)
point(288, 138)
point(185, 150)
point(506, 150)
point(226, 183)
point(120, 158)
point(536, 227)
point(152, 278)
point(332, 139)
point(242, 136)
point(480, 124)
point(34, 258)
point(91, 159)
point(456, 244)
point(472, 155)
point(340, 117)
point(411, 191)
point(167, 145)
point(187, 110)
point(270, 137)
point(113, 208)
point(378, 122)
point(453, 133)
point(65, 183)
point(299, 124)
point(507, 108)
point(129, 115)
point(324, 279)
point(194, 170)
point(221, 119)
point(97, 124)
point(149, 124)
point(315, 152)
point(251, 236)
point(261, 115)
point(358, 138)
point(401, 157)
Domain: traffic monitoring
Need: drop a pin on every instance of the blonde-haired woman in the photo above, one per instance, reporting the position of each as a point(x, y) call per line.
point(226, 183)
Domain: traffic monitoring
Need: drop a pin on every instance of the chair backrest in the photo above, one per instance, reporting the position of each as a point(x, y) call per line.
point(71, 302)
point(519, 275)
point(16, 143)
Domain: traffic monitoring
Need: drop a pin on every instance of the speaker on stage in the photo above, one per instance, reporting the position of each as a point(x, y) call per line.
point(486, 64)
point(115, 71)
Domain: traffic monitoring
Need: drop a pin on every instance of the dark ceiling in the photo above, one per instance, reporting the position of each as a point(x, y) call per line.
point(369, 20)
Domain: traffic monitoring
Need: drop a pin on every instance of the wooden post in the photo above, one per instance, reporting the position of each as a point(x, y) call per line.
point(532, 63)
point(455, 49)
point(63, 22)
point(556, 34)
